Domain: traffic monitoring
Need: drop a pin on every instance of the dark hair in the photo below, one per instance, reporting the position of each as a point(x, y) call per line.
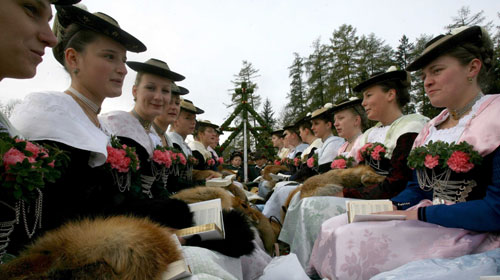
point(402, 94)
point(305, 125)
point(468, 51)
point(77, 38)
point(235, 154)
point(326, 117)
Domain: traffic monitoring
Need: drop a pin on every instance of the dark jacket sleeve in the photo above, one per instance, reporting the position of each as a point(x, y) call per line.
point(398, 177)
point(201, 161)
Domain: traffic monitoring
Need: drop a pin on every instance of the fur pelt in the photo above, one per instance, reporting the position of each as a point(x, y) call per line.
point(239, 236)
point(119, 247)
point(202, 193)
point(157, 209)
point(200, 175)
point(332, 182)
point(275, 169)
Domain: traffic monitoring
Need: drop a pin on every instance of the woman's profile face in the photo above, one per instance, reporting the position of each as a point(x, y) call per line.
point(171, 111)
point(152, 96)
point(375, 102)
point(24, 35)
point(320, 128)
point(101, 67)
point(346, 123)
point(445, 79)
point(208, 136)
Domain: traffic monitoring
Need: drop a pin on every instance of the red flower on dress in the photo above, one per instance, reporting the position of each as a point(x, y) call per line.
point(182, 158)
point(221, 160)
point(431, 161)
point(459, 162)
point(377, 152)
point(310, 162)
point(211, 162)
point(296, 161)
point(162, 157)
point(118, 159)
point(11, 157)
point(277, 162)
point(339, 164)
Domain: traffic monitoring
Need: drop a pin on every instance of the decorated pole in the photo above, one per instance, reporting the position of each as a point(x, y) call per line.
point(245, 119)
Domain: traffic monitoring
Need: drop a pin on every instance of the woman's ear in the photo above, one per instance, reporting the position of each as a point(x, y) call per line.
point(134, 92)
point(474, 68)
point(72, 58)
point(391, 95)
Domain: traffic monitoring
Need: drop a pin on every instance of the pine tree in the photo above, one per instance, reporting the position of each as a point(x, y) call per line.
point(268, 113)
point(317, 70)
point(297, 96)
point(404, 52)
point(344, 51)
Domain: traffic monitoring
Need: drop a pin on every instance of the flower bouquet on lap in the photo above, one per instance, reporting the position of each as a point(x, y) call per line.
point(444, 168)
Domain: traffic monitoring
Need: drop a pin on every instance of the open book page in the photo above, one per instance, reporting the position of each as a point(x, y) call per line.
point(220, 182)
point(178, 269)
point(363, 209)
point(207, 216)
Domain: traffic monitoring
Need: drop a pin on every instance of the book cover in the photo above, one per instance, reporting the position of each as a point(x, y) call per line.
point(361, 210)
point(178, 269)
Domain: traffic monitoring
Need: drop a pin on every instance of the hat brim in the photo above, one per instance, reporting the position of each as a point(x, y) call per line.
point(197, 112)
point(155, 70)
point(181, 91)
point(64, 2)
point(304, 119)
point(323, 114)
point(399, 75)
point(443, 44)
point(207, 124)
point(346, 105)
point(72, 14)
point(278, 132)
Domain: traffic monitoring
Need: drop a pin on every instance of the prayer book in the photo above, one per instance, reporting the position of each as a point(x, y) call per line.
point(178, 269)
point(220, 182)
point(207, 216)
point(361, 210)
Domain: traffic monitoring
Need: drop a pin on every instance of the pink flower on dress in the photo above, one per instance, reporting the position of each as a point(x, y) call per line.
point(310, 162)
point(431, 161)
point(459, 162)
point(221, 160)
point(182, 159)
point(296, 161)
point(118, 159)
point(11, 157)
point(173, 155)
point(362, 151)
point(162, 157)
point(339, 164)
point(211, 162)
point(277, 162)
point(376, 153)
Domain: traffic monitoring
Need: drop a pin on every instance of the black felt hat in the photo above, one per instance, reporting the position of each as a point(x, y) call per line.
point(187, 105)
point(156, 67)
point(392, 74)
point(440, 44)
point(97, 22)
point(64, 2)
point(278, 132)
point(304, 119)
point(201, 123)
point(179, 90)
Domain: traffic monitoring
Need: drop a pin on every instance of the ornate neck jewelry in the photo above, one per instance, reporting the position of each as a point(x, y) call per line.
point(457, 114)
point(159, 130)
point(92, 106)
point(145, 124)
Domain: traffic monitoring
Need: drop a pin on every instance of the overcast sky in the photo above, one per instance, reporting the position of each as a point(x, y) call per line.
point(207, 41)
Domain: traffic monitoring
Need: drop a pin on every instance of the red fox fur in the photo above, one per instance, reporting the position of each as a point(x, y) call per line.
point(267, 232)
point(275, 169)
point(118, 247)
point(332, 183)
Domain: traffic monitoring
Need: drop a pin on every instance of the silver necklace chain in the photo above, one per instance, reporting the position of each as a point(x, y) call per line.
point(457, 114)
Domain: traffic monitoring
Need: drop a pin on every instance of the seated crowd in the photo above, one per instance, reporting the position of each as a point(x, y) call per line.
point(100, 195)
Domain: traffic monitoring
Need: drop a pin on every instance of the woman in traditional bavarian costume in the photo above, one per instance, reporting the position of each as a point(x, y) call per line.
point(446, 216)
point(152, 93)
point(204, 135)
point(384, 96)
point(169, 115)
point(23, 39)
point(68, 120)
point(349, 122)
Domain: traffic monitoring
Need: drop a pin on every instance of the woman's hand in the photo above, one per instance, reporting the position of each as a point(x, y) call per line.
point(410, 215)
